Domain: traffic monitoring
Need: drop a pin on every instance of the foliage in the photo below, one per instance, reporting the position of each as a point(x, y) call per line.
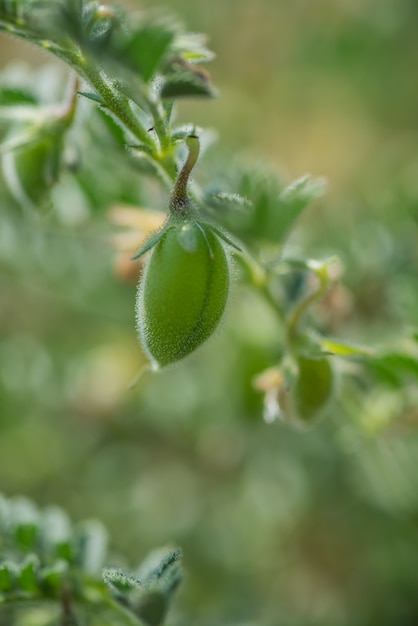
point(113, 139)
point(133, 71)
point(44, 559)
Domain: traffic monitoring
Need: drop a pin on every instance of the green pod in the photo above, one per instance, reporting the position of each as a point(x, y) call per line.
point(313, 387)
point(182, 293)
point(31, 169)
point(32, 153)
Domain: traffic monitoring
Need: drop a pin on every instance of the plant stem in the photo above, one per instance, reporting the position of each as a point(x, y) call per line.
point(117, 104)
point(68, 107)
point(260, 277)
point(126, 617)
point(179, 202)
point(120, 107)
point(304, 304)
point(160, 127)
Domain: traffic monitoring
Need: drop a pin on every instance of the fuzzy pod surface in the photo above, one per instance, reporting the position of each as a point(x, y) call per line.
point(182, 292)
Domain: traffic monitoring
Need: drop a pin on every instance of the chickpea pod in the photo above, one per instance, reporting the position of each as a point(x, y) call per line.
point(32, 169)
point(183, 290)
point(32, 155)
point(313, 388)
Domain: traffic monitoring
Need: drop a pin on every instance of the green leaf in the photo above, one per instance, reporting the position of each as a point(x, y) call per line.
point(148, 46)
point(129, 51)
point(395, 365)
point(90, 546)
point(268, 211)
point(7, 575)
point(343, 348)
point(27, 574)
point(56, 533)
point(120, 581)
point(192, 47)
point(34, 19)
point(302, 191)
point(12, 96)
point(159, 564)
point(149, 591)
point(115, 129)
point(4, 515)
point(76, 6)
point(91, 96)
point(225, 237)
point(51, 578)
point(24, 521)
point(39, 575)
point(160, 574)
point(152, 607)
point(294, 199)
point(226, 200)
point(186, 81)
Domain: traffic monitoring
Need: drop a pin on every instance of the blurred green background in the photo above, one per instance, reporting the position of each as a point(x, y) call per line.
point(278, 526)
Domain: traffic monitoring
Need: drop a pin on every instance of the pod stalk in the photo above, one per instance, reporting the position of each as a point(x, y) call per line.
point(179, 201)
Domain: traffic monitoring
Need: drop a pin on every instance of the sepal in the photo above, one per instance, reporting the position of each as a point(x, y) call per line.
point(150, 242)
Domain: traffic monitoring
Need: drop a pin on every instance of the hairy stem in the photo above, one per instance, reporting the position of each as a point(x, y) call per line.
point(179, 201)
point(115, 103)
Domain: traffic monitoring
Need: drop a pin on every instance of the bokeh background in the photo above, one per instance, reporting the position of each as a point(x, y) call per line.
point(279, 526)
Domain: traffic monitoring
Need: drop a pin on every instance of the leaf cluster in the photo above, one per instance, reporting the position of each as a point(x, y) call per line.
point(44, 557)
point(130, 50)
